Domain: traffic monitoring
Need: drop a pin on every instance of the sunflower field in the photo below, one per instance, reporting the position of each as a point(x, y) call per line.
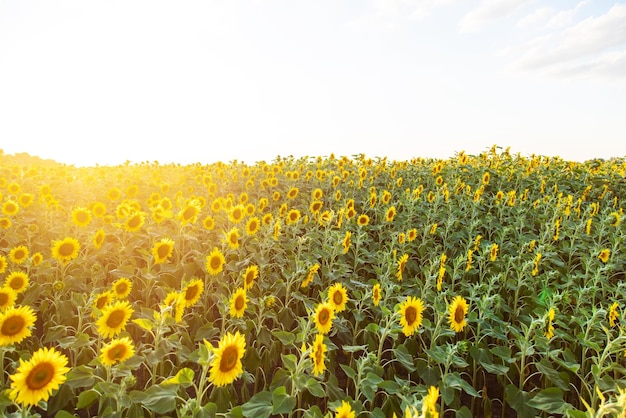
point(476, 286)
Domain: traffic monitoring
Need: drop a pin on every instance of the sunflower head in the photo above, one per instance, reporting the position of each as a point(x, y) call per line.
point(232, 238)
point(344, 411)
point(318, 350)
point(238, 303)
point(81, 216)
point(226, 366)
point(323, 317)
point(376, 294)
point(337, 297)
point(162, 250)
point(192, 292)
point(114, 318)
point(121, 288)
point(117, 351)
point(18, 281)
point(19, 254)
point(36, 379)
point(411, 315)
point(15, 324)
point(250, 275)
point(8, 297)
point(456, 314)
point(65, 250)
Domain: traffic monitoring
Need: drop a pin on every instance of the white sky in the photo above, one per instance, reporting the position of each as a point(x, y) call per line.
point(88, 82)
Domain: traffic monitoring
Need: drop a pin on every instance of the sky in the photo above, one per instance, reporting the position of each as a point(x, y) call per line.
point(198, 81)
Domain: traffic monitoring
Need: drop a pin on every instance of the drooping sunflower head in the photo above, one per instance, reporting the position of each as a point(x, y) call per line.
point(337, 297)
point(162, 250)
point(81, 216)
point(192, 292)
point(8, 297)
point(36, 379)
point(346, 241)
point(226, 366)
point(323, 317)
point(493, 252)
point(114, 318)
point(19, 254)
point(121, 288)
point(411, 315)
point(238, 303)
point(117, 351)
point(215, 262)
point(456, 314)
point(15, 324)
point(249, 276)
point(65, 250)
point(18, 281)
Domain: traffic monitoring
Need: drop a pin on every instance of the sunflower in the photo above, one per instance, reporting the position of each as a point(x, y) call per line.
point(215, 262)
point(253, 225)
point(292, 216)
point(19, 254)
point(121, 288)
point(35, 379)
point(317, 194)
point(10, 207)
point(3, 264)
point(433, 228)
point(100, 301)
point(277, 230)
point(363, 220)
point(292, 193)
point(208, 223)
point(344, 411)
point(237, 213)
point(162, 250)
point(267, 219)
point(346, 241)
point(189, 214)
point(318, 350)
point(114, 193)
point(65, 250)
point(8, 297)
point(429, 403)
point(192, 292)
point(323, 317)
point(316, 206)
point(249, 276)
point(5, 223)
point(401, 266)
point(411, 315)
point(98, 209)
point(350, 213)
point(493, 252)
point(376, 294)
point(337, 297)
point(456, 314)
point(114, 318)
point(117, 351)
point(604, 255)
point(613, 312)
point(36, 258)
point(226, 366)
point(135, 221)
point(238, 303)
point(81, 216)
point(311, 275)
point(15, 324)
point(549, 333)
point(17, 280)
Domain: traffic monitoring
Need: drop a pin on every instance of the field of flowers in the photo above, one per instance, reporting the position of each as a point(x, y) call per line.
point(480, 285)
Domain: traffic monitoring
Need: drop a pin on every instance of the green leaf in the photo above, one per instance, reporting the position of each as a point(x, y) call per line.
point(464, 412)
point(550, 400)
point(290, 361)
point(353, 348)
point(404, 357)
point(81, 376)
point(144, 323)
point(285, 337)
point(282, 403)
point(315, 388)
point(260, 405)
point(518, 399)
point(545, 367)
point(349, 371)
point(453, 380)
point(87, 398)
point(159, 399)
point(183, 377)
point(63, 414)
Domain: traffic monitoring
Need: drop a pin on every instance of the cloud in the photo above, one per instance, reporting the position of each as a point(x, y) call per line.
point(488, 11)
point(593, 46)
point(565, 17)
point(388, 14)
point(540, 15)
